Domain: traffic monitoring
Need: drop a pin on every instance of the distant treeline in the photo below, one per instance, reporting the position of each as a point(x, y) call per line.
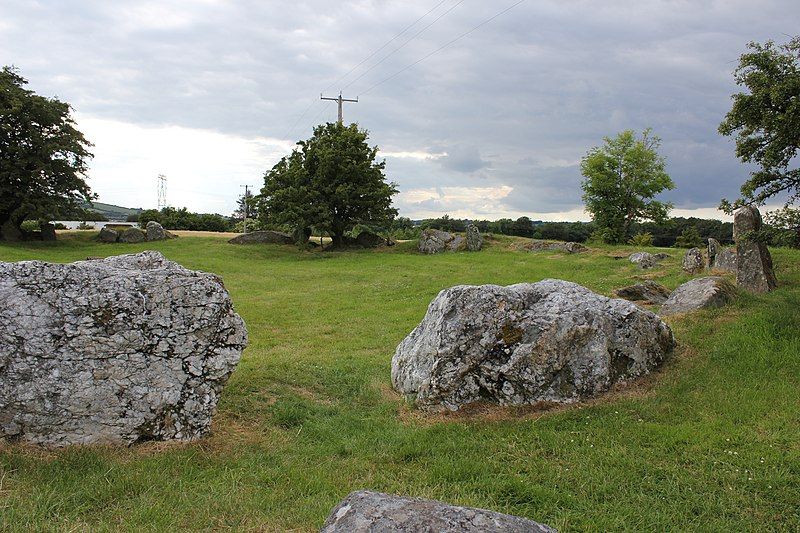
point(183, 219)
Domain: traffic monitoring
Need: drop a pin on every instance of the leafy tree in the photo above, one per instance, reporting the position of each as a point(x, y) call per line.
point(641, 239)
point(689, 238)
point(248, 200)
point(332, 182)
point(522, 227)
point(785, 225)
point(43, 157)
point(621, 178)
point(766, 120)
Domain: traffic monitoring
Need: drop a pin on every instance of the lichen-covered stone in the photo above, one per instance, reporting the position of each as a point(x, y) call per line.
point(713, 250)
point(644, 260)
point(699, 293)
point(754, 271)
point(155, 231)
point(264, 237)
point(434, 241)
point(108, 235)
point(726, 260)
point(647, 291)
point(374, 512)
point(693, 261)
point(552, 341)
point(537, 245)
point(120, 350)
point(474, 238)
point(132, 235)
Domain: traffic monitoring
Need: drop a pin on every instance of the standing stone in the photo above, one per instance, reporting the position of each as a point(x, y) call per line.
point(699, 293)
point(754, 271)
point(713, 251)
point(120, 350)
point(474, 239)
point(108, 235)
point(693, 261)
point(374, 512)
point(132, 235)
point(726, 260)
point(155, 231)
point(48, 231)
point(644, 260)
point(551, 341)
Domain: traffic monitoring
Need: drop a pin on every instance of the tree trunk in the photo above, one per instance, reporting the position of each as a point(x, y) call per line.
point(337, 239)
point(10, 230)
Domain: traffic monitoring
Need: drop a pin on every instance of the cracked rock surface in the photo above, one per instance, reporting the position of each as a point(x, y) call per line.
point(125, 349)
point(551, 341)
point(366, 511)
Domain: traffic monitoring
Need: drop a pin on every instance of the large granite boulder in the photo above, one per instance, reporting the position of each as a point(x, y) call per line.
point(108, 235)
point(647, 291)
point(120, 350)
point(474, 238)
point(264, 237)
point(434, 241)
point(693, 261)
point(551, 341)
point(132, 235)
point(699, 293)
point(374, 512)
point(726, 260)
point(155, 231)
point(538, 245)
point(644, 260)
point(754, 271)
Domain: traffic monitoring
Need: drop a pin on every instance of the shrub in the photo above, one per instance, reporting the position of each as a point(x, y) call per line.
point(642, 239)
point(689, 238)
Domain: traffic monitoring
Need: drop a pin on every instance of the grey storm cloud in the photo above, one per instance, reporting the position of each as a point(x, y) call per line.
point(535, 88)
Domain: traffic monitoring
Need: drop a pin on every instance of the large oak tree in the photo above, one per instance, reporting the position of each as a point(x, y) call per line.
point(43, 157)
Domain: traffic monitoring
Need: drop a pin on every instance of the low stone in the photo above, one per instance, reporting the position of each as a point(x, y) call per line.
point(660, 256)
point(713, 250)
point(693, 261)
point(132, 235)
point(726, 260)
point(155, 231)
point(551, 341)
point(365, 511)
point(120, 350)
point(754, 270)
point(699, 293)
point(474, 239)
point(108, 235)
point(647, 291)
point(434, 241)
point(263, 237)
point(537, 245)
point(367, 239)
point(644, 260)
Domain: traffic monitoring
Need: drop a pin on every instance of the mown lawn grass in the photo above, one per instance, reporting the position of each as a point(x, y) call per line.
point(711, 442)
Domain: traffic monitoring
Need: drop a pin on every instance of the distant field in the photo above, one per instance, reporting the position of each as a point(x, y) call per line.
point(711, 442)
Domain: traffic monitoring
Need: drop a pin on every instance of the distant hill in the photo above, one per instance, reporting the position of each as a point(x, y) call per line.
point(112, 212)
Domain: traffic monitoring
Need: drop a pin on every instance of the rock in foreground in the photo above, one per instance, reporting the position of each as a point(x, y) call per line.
point(700, 293)
point(263, 237)
point(126, 349)
point(551, 341)
point(365, 511)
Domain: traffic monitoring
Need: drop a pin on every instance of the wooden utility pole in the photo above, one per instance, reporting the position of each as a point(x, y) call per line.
point(246, 194)
point(339, 100)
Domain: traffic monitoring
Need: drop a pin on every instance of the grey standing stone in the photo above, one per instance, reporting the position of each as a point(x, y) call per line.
point(155, 231)
point(647, 291)
point(108, 235)
point(264, 237)
point(754, 271)
point(726, 260)
point(713, 250)
point(699, 293)
point(120, 350)
point(474, 238)
point(132, 235)
point(551, 341)
point(434, 241)
point(374, 512)
point(693, 261)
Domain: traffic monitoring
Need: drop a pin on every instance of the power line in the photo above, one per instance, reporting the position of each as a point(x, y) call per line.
point(387, 56)
point(420, 60)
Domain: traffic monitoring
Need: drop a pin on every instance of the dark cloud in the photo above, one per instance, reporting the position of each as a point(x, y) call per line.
point(535, 88)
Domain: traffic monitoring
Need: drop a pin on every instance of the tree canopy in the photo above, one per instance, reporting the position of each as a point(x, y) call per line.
point(621, 178)
point(766, 120)
point(331, 183)
point(43, 157)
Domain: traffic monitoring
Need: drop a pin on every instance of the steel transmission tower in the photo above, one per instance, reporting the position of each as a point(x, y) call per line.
point(162, 191)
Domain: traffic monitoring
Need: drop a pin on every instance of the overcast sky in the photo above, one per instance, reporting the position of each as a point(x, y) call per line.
point(211, 93)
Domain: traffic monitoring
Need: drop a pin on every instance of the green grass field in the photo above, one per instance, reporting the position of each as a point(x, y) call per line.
point(710, 443)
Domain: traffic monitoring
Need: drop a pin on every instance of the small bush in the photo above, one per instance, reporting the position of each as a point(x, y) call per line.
point(642, 239)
